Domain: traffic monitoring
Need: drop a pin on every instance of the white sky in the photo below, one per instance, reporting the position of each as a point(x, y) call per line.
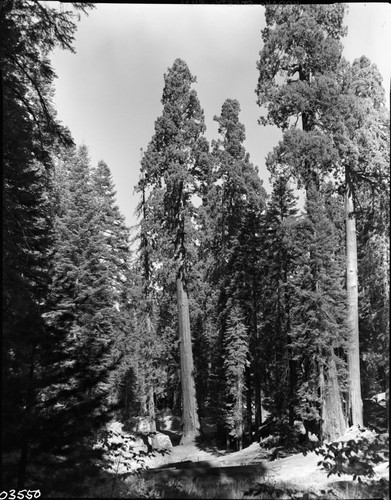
point(108, 93)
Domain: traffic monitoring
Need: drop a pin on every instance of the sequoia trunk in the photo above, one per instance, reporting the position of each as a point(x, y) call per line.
point(355, 402)
point(191, 426)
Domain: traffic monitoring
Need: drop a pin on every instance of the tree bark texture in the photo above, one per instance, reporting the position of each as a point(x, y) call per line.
point(191, 425)
point(333, 425)
point(355, 402)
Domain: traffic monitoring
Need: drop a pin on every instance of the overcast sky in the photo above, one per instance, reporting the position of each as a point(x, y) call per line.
point(109, 93)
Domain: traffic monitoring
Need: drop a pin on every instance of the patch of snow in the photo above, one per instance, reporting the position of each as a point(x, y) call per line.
point(382, 470)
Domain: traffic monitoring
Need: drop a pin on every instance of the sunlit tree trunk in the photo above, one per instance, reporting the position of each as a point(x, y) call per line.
point(191, 425)
point(240, 415)
point(355, 402)
point(386, 278)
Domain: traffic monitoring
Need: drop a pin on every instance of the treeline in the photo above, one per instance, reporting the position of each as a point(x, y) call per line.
point(234, 301)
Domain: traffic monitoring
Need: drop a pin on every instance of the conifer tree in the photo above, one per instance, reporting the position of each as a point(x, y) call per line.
point(236, 228)
point(204, 293)
point(116, 256)
point(278, 265)
point(82, 313)
point(341, 109)
point(235, 361)
point(170, 173)
point(374, 270)
point(29, 31)
point(319, 330)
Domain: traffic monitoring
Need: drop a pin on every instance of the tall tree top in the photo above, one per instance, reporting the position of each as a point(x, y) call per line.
point(178, 131)
point(300, 42)
point(231, 129)
point(178, 80)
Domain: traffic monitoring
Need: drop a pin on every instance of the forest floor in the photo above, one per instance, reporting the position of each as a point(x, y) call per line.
point(294, 473)
point(202, 470)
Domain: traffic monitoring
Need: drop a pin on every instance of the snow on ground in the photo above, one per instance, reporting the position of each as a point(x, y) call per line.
point(297, 471)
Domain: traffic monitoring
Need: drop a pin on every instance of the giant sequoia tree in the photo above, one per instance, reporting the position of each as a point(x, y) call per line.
point(170, 173)
point(302, 75)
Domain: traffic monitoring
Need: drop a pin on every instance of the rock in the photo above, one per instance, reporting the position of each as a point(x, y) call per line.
point(160, 441)
point(299, 427)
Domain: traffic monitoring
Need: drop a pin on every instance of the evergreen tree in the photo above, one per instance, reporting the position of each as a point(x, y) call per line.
point(318, 329)
point(28, 32)
point(116, 256)
point(82, 312)
point(204, 292)
point(236, 230)
point(235, 361)
point(341, 109)
point(300, 54)
point(278, 264)
point(373, 256)
point(170, 173)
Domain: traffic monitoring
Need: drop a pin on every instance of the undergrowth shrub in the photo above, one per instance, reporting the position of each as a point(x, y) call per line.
point(356, 457)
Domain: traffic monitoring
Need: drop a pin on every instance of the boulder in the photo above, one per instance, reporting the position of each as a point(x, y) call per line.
point(160, 441)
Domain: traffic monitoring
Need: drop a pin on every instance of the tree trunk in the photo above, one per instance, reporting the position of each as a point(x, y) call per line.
point(257, 400)
point(24, 452)
point(151, 393)
point(249, 413)
point(257, 368)
point(333, 425)
point(240, 416)
point(386, 309)
point(355, 401)
point(191, 425)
